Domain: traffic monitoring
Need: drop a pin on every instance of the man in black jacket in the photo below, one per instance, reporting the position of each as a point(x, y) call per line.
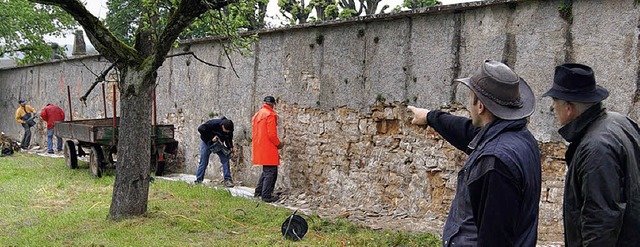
point(498, 188)
point(217, 137)
point(602, 186)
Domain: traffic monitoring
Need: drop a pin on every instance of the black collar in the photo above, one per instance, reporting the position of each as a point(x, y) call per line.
point(575, 129)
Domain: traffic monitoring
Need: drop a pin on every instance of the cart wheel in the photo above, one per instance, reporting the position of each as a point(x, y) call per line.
point(96, 161)
point(70, 155)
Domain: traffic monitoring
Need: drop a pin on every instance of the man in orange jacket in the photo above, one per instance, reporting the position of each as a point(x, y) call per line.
point(52, 114)
point(265, 145)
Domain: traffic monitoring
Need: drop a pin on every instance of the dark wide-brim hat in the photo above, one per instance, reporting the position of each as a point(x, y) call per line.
point(294, 227)
point(501, 90)
point(576, 83)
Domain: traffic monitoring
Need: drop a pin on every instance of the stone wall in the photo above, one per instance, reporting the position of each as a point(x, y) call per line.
point(342, 89)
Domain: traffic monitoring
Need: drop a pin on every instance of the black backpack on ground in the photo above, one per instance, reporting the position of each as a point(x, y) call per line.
point(6, 151)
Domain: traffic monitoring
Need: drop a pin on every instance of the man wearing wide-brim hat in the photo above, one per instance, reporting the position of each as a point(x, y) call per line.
point(498, 188)
point(602, 186)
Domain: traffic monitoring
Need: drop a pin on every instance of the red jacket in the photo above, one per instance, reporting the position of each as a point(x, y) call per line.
point(52, 113)
point(265, 137)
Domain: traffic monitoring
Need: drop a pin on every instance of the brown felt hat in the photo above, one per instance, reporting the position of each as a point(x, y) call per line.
point(501, 90)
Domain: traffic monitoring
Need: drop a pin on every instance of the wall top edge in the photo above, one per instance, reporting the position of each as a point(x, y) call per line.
point(51, 62)
point(440, 9)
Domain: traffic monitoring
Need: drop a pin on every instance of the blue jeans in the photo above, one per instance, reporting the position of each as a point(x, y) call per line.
point(204, 162)
point(50, 141)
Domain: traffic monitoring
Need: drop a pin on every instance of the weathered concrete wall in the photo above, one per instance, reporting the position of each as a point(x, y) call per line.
point(349, 148)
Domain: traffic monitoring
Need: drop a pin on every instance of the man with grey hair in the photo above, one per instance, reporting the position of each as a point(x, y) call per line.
point(498, 188)
point(602, 186)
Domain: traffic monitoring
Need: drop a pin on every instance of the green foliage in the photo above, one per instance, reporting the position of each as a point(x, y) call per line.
point(23, 26)
point(397, 9)
point(565, 10)
point(332, 12)
point(380, 98)
point(323, 6)
point(353, 5)
point(347, 13)
point(295, 10)
point(124, 18)
point(416, 4)
point(44, 203)
point(217, 23)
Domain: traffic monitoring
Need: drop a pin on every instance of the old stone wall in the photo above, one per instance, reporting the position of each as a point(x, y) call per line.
point(343, 86)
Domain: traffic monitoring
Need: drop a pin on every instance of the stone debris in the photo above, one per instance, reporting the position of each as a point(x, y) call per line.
point(6, 141)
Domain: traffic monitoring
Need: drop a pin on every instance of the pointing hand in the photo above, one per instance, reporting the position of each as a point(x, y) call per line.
point(419, 115)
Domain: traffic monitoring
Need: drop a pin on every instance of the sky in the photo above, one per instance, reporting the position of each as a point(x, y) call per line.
point(99, 9)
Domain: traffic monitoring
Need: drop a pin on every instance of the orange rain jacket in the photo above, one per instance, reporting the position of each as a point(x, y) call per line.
point(265, 137)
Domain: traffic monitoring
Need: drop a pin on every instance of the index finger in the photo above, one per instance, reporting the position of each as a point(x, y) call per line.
point(411, 108)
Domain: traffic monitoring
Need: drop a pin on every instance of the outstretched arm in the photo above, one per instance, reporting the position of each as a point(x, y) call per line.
point(459, 131)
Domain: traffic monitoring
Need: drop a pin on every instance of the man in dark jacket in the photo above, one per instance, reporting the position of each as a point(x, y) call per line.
point(217, 137)
point(602, 186)
point(498, 188)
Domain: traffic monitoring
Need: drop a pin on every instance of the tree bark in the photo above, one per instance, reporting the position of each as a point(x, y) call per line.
point(131, 187)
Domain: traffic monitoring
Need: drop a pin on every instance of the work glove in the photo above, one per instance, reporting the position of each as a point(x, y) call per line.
point(419, 115)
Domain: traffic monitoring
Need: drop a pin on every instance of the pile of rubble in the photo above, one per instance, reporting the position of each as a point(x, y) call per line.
point(8, 145)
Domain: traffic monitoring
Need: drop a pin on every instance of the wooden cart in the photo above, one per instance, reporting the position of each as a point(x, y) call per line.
point(101, 137)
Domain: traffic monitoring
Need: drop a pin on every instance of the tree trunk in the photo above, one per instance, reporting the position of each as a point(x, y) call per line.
point(131, 187)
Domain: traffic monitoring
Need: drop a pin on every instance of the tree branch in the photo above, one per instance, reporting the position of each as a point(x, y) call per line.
point(197, 58)
point(230, 62)
point(184, 15)
point(102, 39)
point(99, 78)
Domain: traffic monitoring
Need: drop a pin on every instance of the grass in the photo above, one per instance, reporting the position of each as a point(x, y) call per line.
point(43, 203)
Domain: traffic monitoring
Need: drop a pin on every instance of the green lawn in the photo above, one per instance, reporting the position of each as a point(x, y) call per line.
point(43, 203)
